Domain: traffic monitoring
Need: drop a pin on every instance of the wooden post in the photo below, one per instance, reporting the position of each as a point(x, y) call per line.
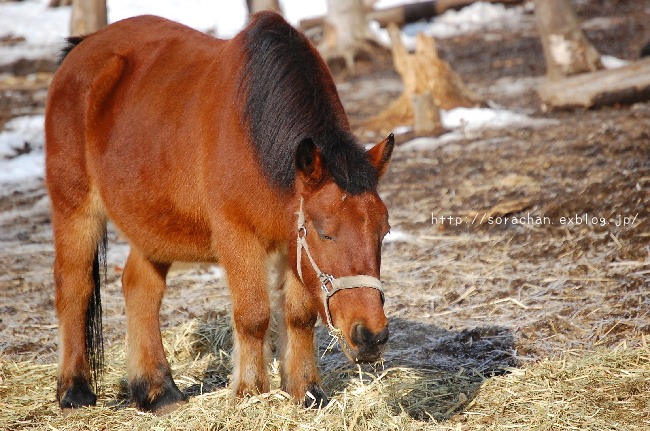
point(88, 16)
point(566, 49)
point(260, 5)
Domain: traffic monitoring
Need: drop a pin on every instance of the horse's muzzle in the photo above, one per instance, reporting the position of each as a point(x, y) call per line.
point(368, 345)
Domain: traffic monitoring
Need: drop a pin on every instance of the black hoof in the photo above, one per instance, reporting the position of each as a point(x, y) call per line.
point(315, 397)
point(78, 395)
point(164, 400)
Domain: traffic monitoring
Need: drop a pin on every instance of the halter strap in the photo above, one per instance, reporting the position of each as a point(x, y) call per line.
point(329, 284)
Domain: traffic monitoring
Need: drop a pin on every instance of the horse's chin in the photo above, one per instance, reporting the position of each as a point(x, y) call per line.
point(361, 355)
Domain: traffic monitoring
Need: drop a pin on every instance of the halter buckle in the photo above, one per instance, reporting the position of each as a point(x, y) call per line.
point(325, 279)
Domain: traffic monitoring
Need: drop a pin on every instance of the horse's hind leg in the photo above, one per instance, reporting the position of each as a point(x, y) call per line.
point(298, 371)
point(150, 378)
point(77, 232)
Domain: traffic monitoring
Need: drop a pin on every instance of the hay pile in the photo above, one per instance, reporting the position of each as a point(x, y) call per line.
point(602, 390)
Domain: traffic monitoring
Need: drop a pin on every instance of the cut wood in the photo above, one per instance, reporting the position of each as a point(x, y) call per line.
point(429, 84)
point(627, 84)
point(566, 49)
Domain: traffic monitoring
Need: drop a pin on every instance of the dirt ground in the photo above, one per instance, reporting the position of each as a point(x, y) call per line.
point(563, 266)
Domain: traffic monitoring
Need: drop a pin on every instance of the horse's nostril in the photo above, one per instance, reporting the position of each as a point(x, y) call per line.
point(362, 336)
point(358, 335)
point(382, 337)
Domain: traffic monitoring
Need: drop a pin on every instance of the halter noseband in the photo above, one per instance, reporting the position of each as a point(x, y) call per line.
point(329, 284)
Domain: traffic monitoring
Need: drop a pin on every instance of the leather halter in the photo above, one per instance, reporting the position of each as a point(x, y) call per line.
point(329, 284)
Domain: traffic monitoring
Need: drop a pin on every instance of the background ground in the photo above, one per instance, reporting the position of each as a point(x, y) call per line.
point(461, 295)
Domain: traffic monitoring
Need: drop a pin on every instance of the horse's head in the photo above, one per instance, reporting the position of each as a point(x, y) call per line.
point(338, 251)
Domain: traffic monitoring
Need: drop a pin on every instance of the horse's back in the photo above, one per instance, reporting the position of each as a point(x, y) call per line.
point(139, 74)
point(124, 122)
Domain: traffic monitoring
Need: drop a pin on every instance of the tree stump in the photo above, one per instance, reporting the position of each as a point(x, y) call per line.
point(346, 34)
point(255, 6)
point(429, 84)
point(88, 16)
point(566, 49)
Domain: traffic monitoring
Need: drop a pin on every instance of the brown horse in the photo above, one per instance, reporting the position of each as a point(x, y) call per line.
point(200, 149)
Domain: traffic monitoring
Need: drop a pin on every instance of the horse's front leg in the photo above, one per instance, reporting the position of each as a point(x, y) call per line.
point(299, 372)
point(150, 378)
point(244, 260)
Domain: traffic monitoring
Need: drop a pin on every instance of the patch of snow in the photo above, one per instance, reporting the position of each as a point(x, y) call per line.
point(21, 130)
point(400, 130)
point(429, 143)
point(26, 167)
point(477, 17)
point(463, 120)
point(43, 28)
point(395, 236)
point(480, 118)
point(611, 62)
point(116, 253)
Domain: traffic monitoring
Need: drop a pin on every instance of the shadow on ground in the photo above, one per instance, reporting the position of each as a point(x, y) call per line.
point(427, 372)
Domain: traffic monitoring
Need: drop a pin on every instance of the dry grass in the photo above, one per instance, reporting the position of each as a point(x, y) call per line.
point(605, 390)
point(602, 390)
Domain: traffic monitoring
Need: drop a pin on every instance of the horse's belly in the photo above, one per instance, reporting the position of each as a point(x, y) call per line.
point(160, 229)
point(151, 190)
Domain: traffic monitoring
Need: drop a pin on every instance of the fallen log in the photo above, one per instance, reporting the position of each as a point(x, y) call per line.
point(627, 84)
point(406, 13)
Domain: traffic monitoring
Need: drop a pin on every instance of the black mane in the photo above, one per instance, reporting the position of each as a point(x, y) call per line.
point(290, 97)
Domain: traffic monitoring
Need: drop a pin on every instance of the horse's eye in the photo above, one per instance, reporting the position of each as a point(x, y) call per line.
point(321, 228)
point(325, 237)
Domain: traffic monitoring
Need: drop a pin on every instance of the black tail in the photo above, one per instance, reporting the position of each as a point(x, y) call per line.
point(71, 43)
point(94, 336)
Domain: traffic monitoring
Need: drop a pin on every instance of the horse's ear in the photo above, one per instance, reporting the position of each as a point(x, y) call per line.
point(380, 154)
point(309, 162)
